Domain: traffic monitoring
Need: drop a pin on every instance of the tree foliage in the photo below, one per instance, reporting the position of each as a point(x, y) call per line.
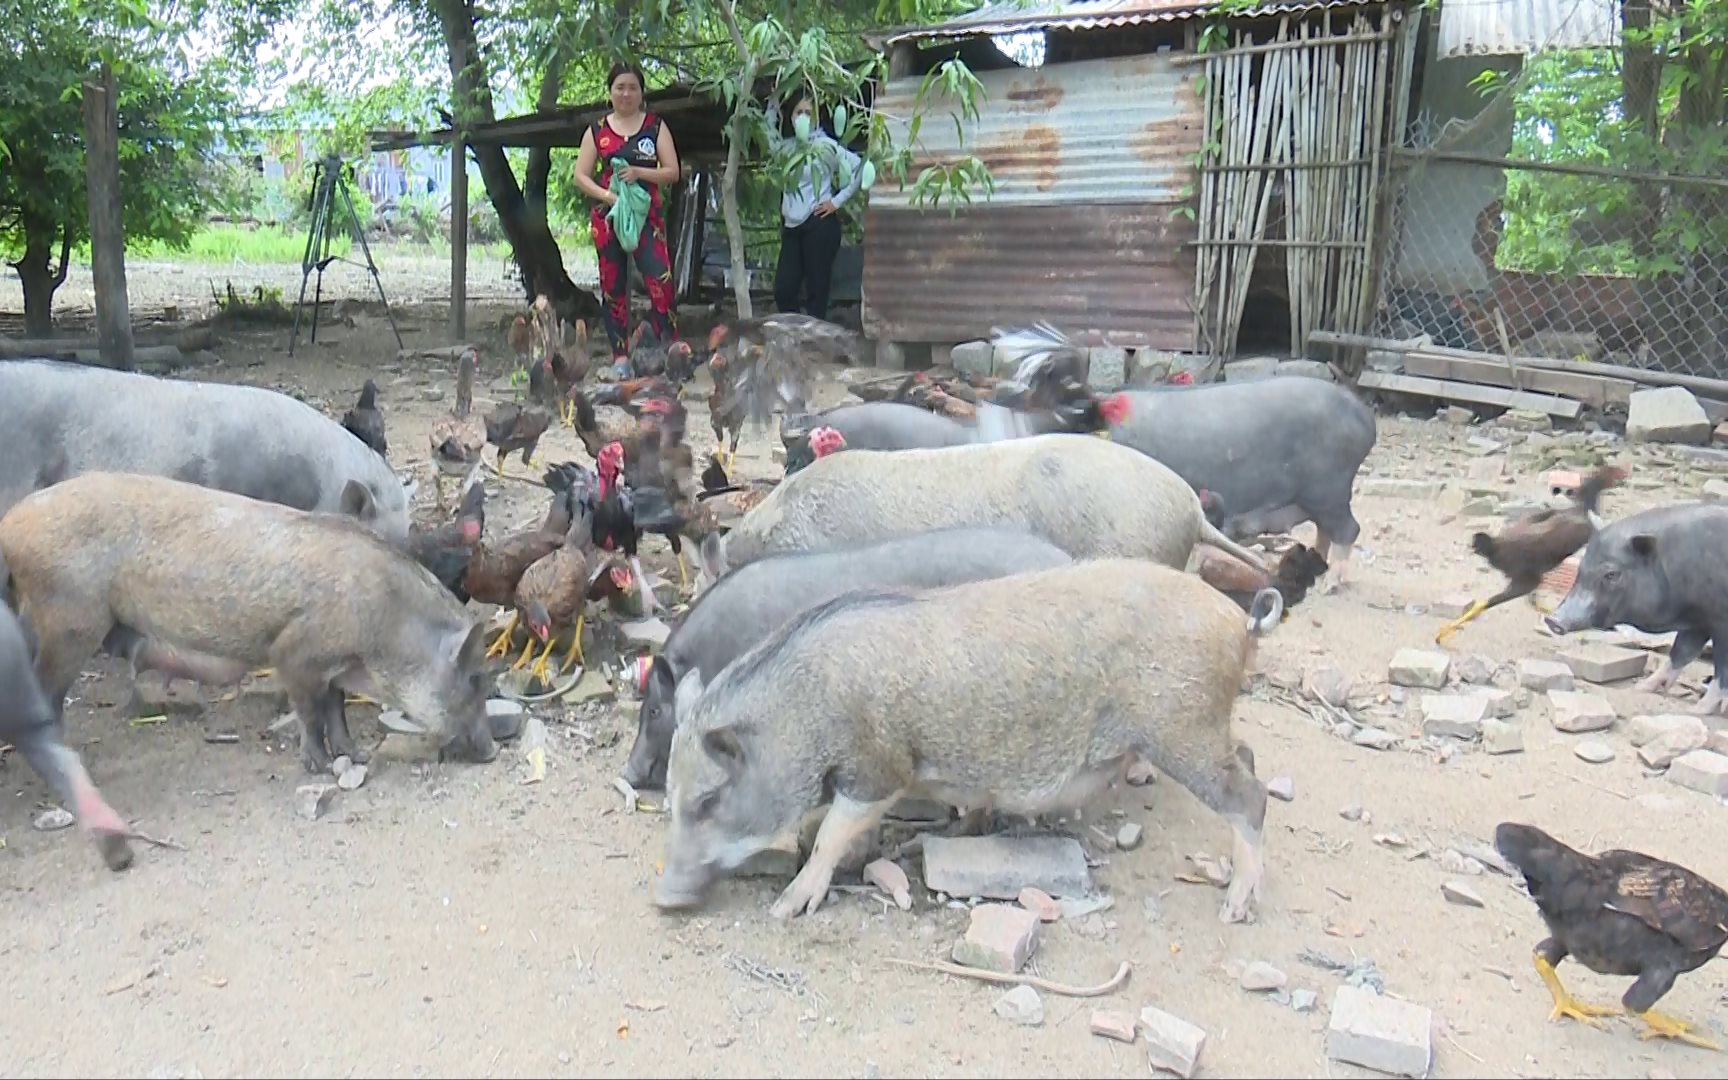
point(170, 120)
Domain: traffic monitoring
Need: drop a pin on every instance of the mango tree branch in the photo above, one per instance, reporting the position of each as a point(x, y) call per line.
point(734, 154)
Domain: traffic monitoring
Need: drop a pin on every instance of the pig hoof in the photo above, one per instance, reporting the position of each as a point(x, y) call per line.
point(1654, 684)
point(800, 898)
point(315, 759)
point(116, 852)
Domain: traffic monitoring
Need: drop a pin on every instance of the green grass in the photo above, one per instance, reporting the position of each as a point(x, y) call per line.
point(222, 243)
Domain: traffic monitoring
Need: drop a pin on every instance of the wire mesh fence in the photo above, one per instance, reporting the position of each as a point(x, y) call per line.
point(1598, 232)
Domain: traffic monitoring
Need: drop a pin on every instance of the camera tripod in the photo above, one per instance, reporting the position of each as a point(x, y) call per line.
point(328, 184)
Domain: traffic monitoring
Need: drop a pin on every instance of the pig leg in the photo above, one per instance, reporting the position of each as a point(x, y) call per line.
point(312, 707)
point(1230, 789)
point(1688, 646)
point(336, 728)
point(846, 821)
point(1713, 702)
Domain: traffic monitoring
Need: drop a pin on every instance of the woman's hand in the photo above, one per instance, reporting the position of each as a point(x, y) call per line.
point(631, 172)
point(609, 197)
point(826, 208)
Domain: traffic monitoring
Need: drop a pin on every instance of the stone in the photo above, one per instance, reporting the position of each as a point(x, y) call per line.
point(312, 800)
point(1544, 675)
point(1021, 1005)
point(888, 877)
point(1716, 490)
point(1457, 415)
point(1387, 487)
point(1605, 663)
point(1458, 716)
point(351, 777)
point(1460, 893)
point(1374, 738)
point(1575, 712)
point(972, 358)
point(1107, 368)
point(52, 819)
point(1475, 668)
point(1718, 742)
point(1113, 1025)
point(1141, 773)
point(1595, 751)
point(913, 808)
point(1643, 729)
point(1039, 903)
point(1328, 684)
point(1260, 975)
point(1281, 788)
point(1254, 367)
point(1669, 414)
point(1380, 1033)
point(1303, 1000)
point(1660, 752)
point(341, 765)
point(1500, 737)
point(1453, 861)
point(592, 685)
point(1721, 436)
point(1496, 702)
point(1307, 369)
point(998, 867)
point(1526, 420)
point(650, 632)
point(1173, 1042)
point(1000, 938)
point(1420, 668)
point(1701, 770)
point(1455, 604)
point(1128, 837)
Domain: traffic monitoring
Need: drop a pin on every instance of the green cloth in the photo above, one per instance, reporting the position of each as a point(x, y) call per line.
point(630, 213)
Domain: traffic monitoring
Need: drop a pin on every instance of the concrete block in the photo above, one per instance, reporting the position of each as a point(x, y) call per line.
point(1308, 369)
point(1660, 752)
point(1545, 675)
point(972, 358)
point(1643, 729)
point(1605, 663)
point(1107, 368)
point(1420, 668)
point(1380, 1033)
point(1000, 938)
point(1500, 737)
point(1716, 491)
point(1667, 415)
point(1496, 702)
point(1251, 368)
point(1575, 712)
point(1457, 716)
point(1701, 770)
point(1174, 1043)
point(998, 867)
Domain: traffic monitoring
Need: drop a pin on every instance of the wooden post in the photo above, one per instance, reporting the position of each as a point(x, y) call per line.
point(458, 237)
point(107, 228)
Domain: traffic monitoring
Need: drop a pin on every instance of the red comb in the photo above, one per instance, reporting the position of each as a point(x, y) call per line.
point(1114, 409)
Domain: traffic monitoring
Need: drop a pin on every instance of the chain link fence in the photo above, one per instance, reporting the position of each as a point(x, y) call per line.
point(1581, 214)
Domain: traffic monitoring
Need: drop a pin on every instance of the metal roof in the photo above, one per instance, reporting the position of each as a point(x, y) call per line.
point(1525, 27)
point(1012, 16)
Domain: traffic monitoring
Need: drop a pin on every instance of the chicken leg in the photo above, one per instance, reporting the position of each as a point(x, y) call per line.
point(527, 655)
point(575, 652)
point(501, 645)
point(1564, 1003)
point(649, 604)
point(1511, 592)
point(539, 671)
point(1661, 1026)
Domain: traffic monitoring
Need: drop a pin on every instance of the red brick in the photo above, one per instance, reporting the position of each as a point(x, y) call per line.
point(1001, 938)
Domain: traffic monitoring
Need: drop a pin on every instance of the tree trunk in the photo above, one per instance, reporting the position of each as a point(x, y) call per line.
point(39, 278)
point(540, 157)
point(531, 241)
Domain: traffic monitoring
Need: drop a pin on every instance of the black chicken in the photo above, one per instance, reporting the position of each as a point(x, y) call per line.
point(1531, 546)
point(1620, 913)
point(366, 422)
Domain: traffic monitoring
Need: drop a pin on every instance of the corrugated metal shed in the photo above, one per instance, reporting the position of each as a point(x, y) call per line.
point(1525, 27)
point(1013, 16)
point(1091, 161)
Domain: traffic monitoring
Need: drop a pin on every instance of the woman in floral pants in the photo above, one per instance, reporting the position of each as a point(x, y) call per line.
point(642, 140)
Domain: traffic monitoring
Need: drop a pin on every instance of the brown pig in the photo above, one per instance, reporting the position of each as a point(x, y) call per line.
point(207, 585)
point(1027, 694)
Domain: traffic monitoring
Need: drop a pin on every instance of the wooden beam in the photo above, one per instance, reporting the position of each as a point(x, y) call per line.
point(458, 238)
point(107, 225)
point(1565, 408)
point(1596, 391)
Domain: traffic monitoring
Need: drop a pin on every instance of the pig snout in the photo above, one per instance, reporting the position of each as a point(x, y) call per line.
point(645, 768)
point(684, 885)
point(1574, 614)
point(475, 745)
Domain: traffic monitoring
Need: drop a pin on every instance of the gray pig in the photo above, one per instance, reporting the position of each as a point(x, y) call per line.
point(1661, 570)
point(207, 585)
point(1277, 452)
point(63, 419)
point(30, 724)
point(744, 607)
point(1025, 694)
point(1088, 496)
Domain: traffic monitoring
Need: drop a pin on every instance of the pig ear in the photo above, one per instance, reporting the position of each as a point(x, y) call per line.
point(714, 554)
point(357, 501)
point(467, 649)
point(688, 693)
point(661, 672)
point(725, 747)
point(1644, 545)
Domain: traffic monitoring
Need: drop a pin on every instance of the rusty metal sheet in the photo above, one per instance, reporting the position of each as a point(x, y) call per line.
point(1014, 16)
point(1115, 275)
point(1095, 132)
point(1498, 28)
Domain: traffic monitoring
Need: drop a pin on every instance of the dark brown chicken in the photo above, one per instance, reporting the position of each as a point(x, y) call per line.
point(512, 427)
point(598, 429)
point(768, 360)
point(727, 501)
point(521, 338)
point(1297, 571)
point(494, 569)
point(1531, 546)
point(447, 549)
point(366, 422)
point(1620, 913)
point(458, 438)
point(553, 593)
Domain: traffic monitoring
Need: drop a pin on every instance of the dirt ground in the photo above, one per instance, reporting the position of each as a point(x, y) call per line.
point(449, 920)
